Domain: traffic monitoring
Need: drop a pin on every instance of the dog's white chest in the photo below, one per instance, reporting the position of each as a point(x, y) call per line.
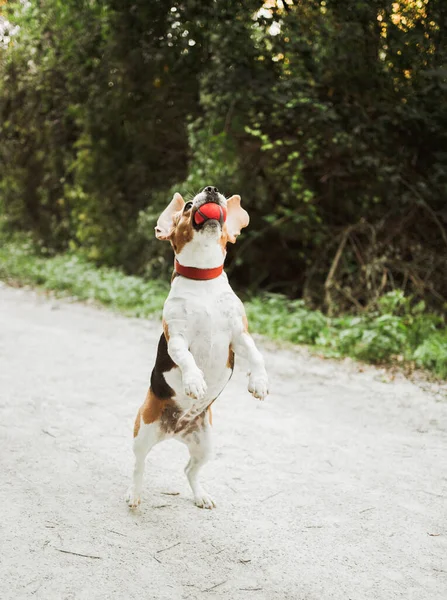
point(207, 321)
point(209, 329)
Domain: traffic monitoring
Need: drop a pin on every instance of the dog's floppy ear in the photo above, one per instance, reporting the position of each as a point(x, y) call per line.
point(165, 221)
point(237, 218)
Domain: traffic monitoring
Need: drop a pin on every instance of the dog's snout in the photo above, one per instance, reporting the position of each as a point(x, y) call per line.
point(211, 190)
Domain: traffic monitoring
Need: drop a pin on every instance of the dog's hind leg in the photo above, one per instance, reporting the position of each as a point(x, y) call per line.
point(200, 451)
point(146, 436)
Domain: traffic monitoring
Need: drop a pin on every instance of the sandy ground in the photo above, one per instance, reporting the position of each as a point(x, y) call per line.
point(333, 488)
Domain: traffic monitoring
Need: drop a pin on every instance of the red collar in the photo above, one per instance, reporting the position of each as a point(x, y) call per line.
point(198, 274)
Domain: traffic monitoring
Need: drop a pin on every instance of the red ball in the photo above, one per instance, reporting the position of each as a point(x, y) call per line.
point(211, 210)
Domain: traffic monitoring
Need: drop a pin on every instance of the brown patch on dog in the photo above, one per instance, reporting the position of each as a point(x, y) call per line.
point(157, 409)
point(245, 323)
point(168, 413)
point(183, 231)
point(170, 416)
point(196, 424)
point(158, 400)
point(152, 408)
point(136, 427)
point(191, 427)
point(224, 239)
point(165, 329)
point(230, 360)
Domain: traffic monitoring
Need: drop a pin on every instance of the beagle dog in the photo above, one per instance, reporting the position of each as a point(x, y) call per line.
point(204, 326)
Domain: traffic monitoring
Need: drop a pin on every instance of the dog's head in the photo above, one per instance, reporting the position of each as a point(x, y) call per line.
point(199, 230)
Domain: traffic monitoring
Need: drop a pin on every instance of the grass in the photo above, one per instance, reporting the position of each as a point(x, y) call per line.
point(73, 275)
point(400, 330)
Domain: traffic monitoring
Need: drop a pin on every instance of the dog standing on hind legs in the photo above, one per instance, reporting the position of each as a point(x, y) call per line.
point(204, 326)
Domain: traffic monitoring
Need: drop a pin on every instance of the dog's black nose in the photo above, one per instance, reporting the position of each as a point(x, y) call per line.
point(211, 190)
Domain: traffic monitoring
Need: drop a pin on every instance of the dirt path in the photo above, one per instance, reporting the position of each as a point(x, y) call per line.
point(334, 488)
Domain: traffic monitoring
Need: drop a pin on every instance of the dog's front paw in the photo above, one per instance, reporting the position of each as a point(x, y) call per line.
point(258, 385)
point(194, 385)
point(133, 497)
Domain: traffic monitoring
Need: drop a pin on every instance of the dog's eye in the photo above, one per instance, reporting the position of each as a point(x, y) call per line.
point(188, 206)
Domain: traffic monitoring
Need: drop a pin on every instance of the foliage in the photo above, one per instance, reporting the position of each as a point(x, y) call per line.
point(328, 117)
point(73, 275)
point(340, 145)
point(432, 354)
point(94, 102)
point(400, 330)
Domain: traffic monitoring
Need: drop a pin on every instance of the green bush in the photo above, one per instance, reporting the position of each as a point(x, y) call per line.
point(74, 275)
point(279, 318)
point(432, 354)
point(328, 118)
point(400, 329)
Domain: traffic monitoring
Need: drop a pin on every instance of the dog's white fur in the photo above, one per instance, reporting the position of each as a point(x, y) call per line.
point(204, 320)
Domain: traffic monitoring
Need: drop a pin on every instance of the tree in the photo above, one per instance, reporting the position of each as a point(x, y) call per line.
point(327, 116)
